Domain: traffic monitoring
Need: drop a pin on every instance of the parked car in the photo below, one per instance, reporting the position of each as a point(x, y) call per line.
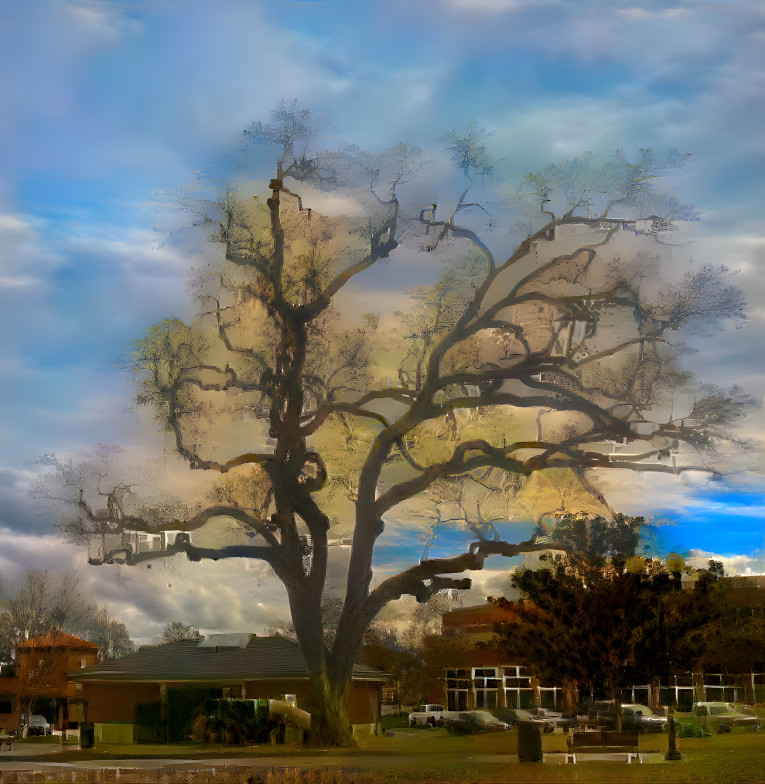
point(723, 716)
point(521, 716)
point(642, 717)
point(466, 722)
point(563, 720)
point(427, 715)
point(602, 713)
point(38, 725)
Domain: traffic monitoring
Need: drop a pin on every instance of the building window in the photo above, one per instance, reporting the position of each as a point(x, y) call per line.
point(485, 687)
point(516, 685)
point(549, 697)
point(457, 689)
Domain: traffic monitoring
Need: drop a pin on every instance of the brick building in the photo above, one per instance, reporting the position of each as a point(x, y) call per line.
point(173, 681)
point(38, 682)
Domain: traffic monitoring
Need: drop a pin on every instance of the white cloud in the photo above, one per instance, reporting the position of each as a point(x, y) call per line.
point(492, 6)
point(28, 258)
point(102, 21)
point(732, 564)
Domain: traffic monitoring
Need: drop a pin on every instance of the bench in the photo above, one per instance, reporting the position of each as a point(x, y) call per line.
point(603, 742)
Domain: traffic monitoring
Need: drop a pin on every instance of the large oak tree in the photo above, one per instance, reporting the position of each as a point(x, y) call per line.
point(543, 341)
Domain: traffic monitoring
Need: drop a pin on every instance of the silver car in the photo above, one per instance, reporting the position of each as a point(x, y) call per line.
point(642, 716)
point(39, 725)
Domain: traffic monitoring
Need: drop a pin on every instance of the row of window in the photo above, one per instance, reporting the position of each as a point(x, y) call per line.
point(481, 687)
point(493, 687)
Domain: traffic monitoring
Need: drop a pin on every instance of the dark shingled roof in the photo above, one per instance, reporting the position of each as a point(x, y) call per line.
point(263, 658)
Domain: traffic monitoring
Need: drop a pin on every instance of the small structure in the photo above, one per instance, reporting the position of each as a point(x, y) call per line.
point(155, 693)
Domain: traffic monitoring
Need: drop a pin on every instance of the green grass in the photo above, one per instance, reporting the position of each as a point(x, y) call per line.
point(395, 722)
point(432, 755)
point(41, 739)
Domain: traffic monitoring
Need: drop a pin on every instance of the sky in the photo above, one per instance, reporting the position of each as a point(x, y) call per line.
point(110, 109)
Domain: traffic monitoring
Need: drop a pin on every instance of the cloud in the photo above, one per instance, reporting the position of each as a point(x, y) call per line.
point(27, 259)
point(732, 564)
point(22, 551)
point(102, 21)
point(639, 14)
point(493, 7)
point(231, 595)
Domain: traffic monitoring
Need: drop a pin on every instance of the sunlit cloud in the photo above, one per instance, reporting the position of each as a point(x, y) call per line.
point(733, 565)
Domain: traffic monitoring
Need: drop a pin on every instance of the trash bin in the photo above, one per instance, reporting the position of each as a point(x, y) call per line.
point(87, 735)
point(529, 742)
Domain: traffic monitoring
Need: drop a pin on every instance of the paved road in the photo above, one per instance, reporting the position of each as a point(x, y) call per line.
point(20, 760)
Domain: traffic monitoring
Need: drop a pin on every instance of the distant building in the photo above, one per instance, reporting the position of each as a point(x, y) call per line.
point(469, 674)
point(38, 682)
point(472, 675)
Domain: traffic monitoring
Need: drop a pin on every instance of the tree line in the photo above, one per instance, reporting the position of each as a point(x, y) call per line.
point(39, 602)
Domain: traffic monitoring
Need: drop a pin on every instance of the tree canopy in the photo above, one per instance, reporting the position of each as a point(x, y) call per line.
point(616, 628)
point(177, 630)
point(42, 602)
point(539, 335)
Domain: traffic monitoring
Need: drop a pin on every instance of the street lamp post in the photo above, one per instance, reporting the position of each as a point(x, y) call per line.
point(672, 753)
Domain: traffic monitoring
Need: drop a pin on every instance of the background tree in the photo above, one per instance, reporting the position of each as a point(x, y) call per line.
point(602, 637)
point(40, 668)
point(722, 627)
point(585, 622)
point(42, 601)
point(405, 666)
point(112, 638)
point(601, 618)
point(269, 375)
point(175, 631)
point(593, 544)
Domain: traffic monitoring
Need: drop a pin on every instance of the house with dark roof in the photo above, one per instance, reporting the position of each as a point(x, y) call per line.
point(177, 678)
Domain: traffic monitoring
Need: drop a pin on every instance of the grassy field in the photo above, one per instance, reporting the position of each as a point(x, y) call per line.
point(432, 755)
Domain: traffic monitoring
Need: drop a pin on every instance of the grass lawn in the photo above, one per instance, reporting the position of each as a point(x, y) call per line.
point(432, 755)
